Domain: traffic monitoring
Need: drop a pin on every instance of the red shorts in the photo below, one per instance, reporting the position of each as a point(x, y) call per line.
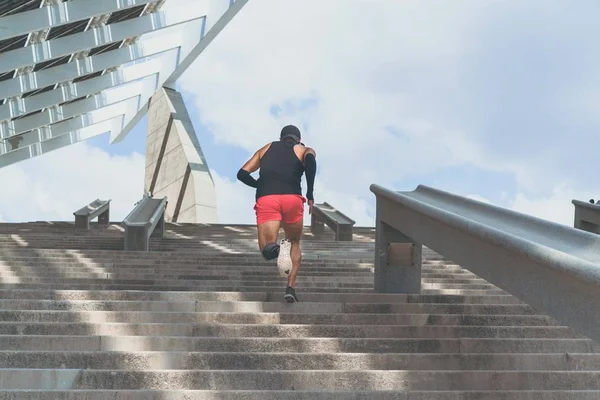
point(288, 208)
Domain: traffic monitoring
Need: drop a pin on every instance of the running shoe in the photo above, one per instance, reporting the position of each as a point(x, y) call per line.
point(290, 295)
point(284, 260)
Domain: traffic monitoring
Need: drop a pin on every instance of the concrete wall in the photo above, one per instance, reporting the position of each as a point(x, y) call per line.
point(175, 164)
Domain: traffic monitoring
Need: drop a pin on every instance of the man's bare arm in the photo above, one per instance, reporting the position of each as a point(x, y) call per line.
point(252, 165)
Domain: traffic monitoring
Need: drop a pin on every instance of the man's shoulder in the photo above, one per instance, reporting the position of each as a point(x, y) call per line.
point(264, 149)
point(310, 150)
point(302, 151)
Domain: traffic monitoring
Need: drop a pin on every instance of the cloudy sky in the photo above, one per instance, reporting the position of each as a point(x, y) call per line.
point(497, 100)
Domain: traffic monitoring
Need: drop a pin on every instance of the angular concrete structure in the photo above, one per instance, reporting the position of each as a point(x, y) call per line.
point(175, 165)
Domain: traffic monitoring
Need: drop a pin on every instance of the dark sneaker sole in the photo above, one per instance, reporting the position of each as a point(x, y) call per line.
point(290, 299)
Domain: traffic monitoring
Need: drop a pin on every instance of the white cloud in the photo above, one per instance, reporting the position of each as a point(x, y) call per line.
point(53, 186)
point(234, 199)
point(557, 207)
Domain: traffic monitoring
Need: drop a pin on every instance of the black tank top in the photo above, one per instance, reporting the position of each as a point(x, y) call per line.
point(280, 171)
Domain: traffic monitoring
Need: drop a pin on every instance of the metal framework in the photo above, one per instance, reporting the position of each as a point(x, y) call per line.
point(74, 69)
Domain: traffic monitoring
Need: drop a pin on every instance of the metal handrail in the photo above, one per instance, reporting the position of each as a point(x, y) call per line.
point(554, 268)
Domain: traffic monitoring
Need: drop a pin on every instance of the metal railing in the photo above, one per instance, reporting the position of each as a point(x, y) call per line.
point(146, 220)
point(552, 267)
point(97, 208)
point(325, 214)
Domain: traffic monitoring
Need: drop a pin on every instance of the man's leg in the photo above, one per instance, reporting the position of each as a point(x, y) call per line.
point(293, 232)
point(267, 239)
point(268, 221)
point(293, 224)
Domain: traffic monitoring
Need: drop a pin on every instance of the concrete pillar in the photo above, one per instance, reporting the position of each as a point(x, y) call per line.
point(175, 164)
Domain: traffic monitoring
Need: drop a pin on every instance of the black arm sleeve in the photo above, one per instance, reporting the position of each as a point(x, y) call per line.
point(310, 167)
point(246, 178)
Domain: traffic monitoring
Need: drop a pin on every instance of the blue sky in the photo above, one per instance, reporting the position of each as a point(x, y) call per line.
point(497, 100)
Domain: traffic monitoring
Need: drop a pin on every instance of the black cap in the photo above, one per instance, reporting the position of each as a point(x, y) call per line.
point(290, 131)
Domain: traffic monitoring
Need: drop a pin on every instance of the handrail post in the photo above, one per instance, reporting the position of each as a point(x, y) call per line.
point(82, 222)
point(317, 227)
point(587, 216)
point(343, 233)
point(340, 224)
point(398, 259)
point(159, 230)
point(104, 218)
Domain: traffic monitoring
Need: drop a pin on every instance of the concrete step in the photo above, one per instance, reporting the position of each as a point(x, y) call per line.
point(27, 263)
point(276, 330)
point(297, 395)
point(215, 269)
point(211, 283)
point(25, 243)
point(128, 295)
point(274, 318)
point(201, 251)
point(298, 380)
point(310, 345)
point(192, 263)
point(251, 279)
point(48, 270)
point(204, 269)
point(268, 307)
point(266, 270)
point(156, 360)
point(272, 276)
point(182, 251)
point(222, 276)
point(307, 276)
point(230, 287)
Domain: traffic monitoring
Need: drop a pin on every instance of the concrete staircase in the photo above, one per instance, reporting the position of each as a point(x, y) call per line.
point(202, 316)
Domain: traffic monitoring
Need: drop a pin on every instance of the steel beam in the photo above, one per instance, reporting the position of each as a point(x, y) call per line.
point(195, 41)
point(209, 33)
point(56, 114)
point(60, 14)
point(59, 126)
point(100, 36)
point(68, 92)
point(40, 148)
point(127, 107)
point(82, 67)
